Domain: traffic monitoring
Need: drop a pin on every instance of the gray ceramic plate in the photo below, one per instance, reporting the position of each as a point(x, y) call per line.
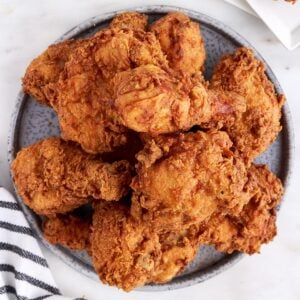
point(32, 122)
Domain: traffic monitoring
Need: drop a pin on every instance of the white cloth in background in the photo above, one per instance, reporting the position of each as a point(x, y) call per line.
point(24, 272)
point(282, 17)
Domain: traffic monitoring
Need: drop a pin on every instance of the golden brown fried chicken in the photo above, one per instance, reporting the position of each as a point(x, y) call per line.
point(130, 20)
point(181, 40)
point(43, 72)
point(85, 117)
point(73, 76)
point(182, 180)
point(114, 50)
point(255, 225)
point(68, 231)
point(178, 248)
point(151, 100)
point(85, 109)
point(225, 108)
point(255, 129)
point(127, 252)
point(53, 176)
point(129, 92)
point(124, 252)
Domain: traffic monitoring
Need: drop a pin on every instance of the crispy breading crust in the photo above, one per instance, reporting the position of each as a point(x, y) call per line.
point(68, 231)
point(128, 253)
point(152, 100)
point(54, 176)
point(255, 225)
point(133, 90)
point(181, 40)
point(184, 179)
point(85, 111)
point(43, 72)
point(255, 129)
point(130, 20)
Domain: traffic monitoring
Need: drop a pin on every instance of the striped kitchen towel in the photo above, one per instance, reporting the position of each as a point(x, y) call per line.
point(24, 272)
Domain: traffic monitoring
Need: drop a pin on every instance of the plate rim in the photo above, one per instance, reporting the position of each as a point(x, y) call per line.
point(194, 277)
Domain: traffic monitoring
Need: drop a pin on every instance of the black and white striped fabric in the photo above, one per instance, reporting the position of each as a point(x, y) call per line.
point(24, 272)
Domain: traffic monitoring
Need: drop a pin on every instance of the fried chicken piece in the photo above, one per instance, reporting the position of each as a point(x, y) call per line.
point(43, 72)
point(127, 253)
point(142, 253)
point(53, 176)
point(182, 180)
point(120, 50)
point(178, 247)
point(225, 108)
point(151, 100)
point(85, 117)
point(69, 231)
point(124, 252)
point(256, 224)
point(130, 20)
point(72, 77)
point(181, 40)
point(148, 100)
point(115, 50)
point(255, 129)
point(85, 109)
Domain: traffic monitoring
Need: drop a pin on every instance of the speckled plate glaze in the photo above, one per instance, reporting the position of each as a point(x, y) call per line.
point(32, 122)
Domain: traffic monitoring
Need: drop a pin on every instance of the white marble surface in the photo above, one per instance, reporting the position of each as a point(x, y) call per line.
point(27, 27)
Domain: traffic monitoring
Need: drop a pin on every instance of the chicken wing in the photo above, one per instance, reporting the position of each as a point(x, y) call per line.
point(256, 224)
point(255, 129)
point(53, 176)
point(182, 180)
point(181, 40)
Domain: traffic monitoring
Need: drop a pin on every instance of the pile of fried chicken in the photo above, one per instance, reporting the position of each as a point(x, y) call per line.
point(164, 157)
